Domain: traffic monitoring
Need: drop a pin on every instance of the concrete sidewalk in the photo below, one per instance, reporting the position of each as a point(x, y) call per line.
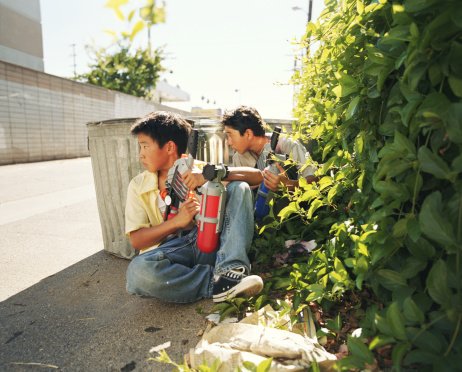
point(64, 304)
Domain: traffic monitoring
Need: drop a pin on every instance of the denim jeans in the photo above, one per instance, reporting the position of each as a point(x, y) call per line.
point(177, 271)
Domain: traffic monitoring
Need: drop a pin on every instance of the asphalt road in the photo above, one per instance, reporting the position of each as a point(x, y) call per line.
point(63, 300)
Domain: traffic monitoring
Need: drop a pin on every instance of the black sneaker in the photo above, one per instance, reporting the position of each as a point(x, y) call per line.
point(234, 282)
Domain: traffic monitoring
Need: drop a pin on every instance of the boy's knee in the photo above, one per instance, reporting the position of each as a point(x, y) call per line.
point(238, 187)
point(141, 276)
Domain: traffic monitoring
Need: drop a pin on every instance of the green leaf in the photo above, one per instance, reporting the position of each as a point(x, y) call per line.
point(333, 192)
point(413, 228)
point(281, 283)
point(434, 224)
point(412, 266)
point(339, 268)
point(399, 352)
point(265, 365)
point(402, 143)
point(137, 28)
point(115, 6)
point(433, 164)
point(359, 142)
point(360, 350)
point(457, 164)
point(309, 195)
point(317, 291)
point(362, 265)
point(420, 357)
point(313, 207)
point(414, 6)
point(347, 85)
point(454, 122)
point(455, 56)
point(249, 366)
point(380, 340)
point(130, 15)
point(287, 211)
point(325, 182)
point(400, 228)
point(396, 321)
point(412, 312)
point(435, 74)
point(382, 325)
point(456, 85)
point(421, 249)
point(159, 15)
point(327, 148)
point(437, 284)
point(434, 106)
point(352, 107)
point(391, 279)
point(335, 324)
point(426, 340)
point(392, 190)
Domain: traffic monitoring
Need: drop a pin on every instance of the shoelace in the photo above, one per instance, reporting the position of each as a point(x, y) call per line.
point(236, 273)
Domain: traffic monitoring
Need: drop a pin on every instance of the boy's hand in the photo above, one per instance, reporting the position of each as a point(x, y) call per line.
point(193, 180)
point(187, 212)
point(275, 181)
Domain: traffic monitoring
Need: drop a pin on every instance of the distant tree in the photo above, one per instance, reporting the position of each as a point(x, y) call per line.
point(119, 68)
point(131, 73)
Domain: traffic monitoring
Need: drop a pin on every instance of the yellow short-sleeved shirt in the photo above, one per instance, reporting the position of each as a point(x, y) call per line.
point(141, 209)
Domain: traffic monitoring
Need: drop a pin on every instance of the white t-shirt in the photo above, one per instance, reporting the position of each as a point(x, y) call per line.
point(286, 146)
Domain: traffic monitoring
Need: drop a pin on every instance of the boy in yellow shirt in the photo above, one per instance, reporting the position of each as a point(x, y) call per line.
point(171, 267)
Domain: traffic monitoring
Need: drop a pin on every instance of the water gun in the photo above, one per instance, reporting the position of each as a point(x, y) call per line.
point(176, 191)
point(212, 208)
point(264, 195)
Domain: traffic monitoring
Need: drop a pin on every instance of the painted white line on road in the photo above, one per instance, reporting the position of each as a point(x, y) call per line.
point(24, 208)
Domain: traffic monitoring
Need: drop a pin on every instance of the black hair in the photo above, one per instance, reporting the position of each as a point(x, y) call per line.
point(164, 126)
point(243, 118)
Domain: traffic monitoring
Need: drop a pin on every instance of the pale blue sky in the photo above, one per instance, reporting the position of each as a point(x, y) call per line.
point(213, 46)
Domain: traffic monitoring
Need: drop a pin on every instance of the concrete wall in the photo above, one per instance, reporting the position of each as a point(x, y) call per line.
point(43, 117)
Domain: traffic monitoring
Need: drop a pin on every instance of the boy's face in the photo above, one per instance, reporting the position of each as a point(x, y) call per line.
point(152, 156)
point(238, 143)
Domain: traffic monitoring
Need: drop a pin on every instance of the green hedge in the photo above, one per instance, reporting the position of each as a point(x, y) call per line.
point(382, 96)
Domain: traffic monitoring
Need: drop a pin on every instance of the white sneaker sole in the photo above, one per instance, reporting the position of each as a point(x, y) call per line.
point(249, 286)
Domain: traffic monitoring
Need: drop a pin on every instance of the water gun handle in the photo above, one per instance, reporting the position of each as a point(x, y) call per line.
point(273, 168)
point(275, 138)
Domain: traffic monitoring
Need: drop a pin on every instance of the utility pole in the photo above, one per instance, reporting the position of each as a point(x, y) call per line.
point(310, 10)
point(73, 58)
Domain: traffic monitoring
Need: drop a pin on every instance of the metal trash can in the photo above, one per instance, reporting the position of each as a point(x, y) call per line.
point(212, 147)
point(115, 161)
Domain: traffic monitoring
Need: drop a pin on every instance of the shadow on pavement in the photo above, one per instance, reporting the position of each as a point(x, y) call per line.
point(83, 319)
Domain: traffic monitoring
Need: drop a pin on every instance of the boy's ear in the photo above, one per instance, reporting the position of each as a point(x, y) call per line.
point(248, 133)
point(171, 147)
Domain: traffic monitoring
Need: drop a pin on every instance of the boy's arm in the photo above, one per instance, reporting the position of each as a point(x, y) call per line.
point(148, 236)
point(250, 175)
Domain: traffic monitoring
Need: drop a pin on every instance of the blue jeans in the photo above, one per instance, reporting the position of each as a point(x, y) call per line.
point(177, 271)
